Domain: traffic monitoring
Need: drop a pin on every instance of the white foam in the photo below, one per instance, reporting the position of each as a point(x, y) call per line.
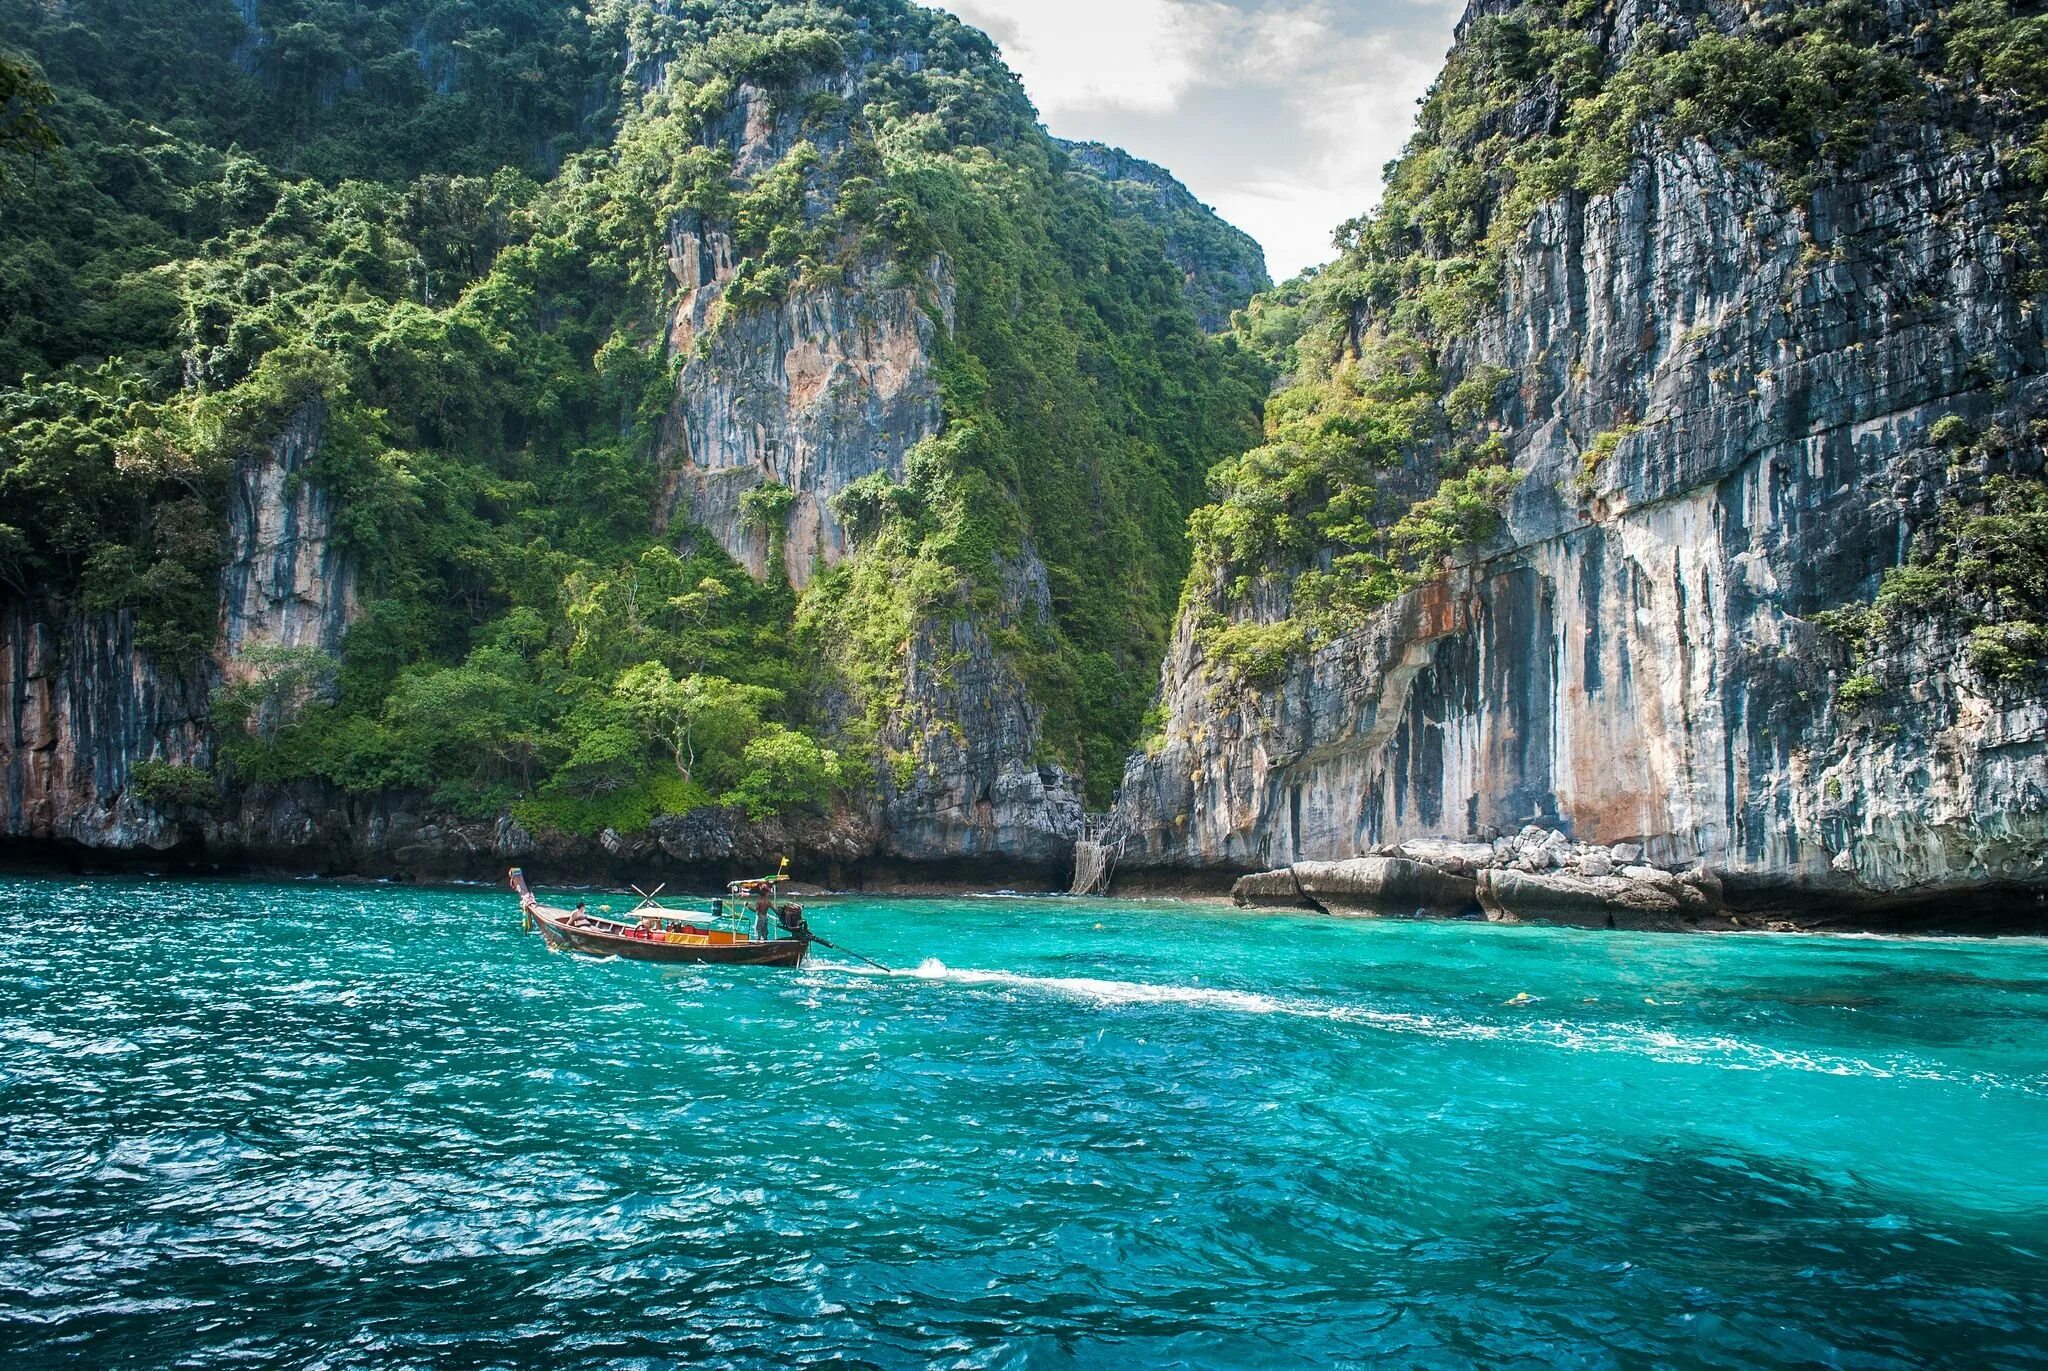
point(1632, 1038)
point(1105, 992)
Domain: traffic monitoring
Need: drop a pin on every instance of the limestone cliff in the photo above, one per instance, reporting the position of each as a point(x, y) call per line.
point(817, 390)
point(824, 252)
point(978, 786)
point(1721, 390)
point(810, 392)
point(82, 705)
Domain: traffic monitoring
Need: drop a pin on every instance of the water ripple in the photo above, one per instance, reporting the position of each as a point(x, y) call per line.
point(310, 1126)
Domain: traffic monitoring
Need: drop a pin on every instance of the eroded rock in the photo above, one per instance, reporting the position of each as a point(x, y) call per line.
point(1269, 890)
point(1593, 901)
point(1383, 885)
point(1453, 858)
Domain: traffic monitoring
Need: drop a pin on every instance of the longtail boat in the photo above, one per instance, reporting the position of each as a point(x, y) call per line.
point(660, 933)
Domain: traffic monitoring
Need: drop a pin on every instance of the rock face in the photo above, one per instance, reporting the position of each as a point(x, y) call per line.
point(810, 393)
point(830, 385)
point(976, 790)
point(1635, 659)
point(286, 582)
point(81, 706)
point(1222, 267)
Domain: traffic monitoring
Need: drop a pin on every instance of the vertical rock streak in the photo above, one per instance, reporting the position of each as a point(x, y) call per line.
point(287, 581)
point(81, 705)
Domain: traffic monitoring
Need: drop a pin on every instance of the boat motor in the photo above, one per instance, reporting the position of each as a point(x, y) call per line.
point(791, 917)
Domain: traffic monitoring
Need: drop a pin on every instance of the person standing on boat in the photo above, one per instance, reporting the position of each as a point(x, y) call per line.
point(764, 904)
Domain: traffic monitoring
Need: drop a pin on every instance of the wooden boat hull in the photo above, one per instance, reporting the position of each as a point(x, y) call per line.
point(574, 931)
point(672, 948)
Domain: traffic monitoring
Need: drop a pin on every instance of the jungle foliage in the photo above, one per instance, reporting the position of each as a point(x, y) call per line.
point(435, 234)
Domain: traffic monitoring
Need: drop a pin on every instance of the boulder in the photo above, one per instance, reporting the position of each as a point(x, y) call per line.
point(1613, 901)
point(1458, 859)
point(702, 835)
point(626, 846)
point(1269, 890)
point(1595, 863)
point(509, 838)
point(1708, 883)
point(1383, 885)
point(1626, 853)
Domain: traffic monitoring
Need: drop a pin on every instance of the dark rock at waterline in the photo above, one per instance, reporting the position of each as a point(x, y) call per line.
point(1269, 890)
point(1589, 891)
point(1636, 897)
point(1383, 885)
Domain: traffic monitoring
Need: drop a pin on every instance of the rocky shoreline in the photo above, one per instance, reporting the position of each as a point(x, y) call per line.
point(1541, 876)
point(1538, 876)
point(382, 838)
point(561, 868)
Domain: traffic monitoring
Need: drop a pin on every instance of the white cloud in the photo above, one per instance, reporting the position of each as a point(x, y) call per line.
point(1079, 55)
point(1355, 117)
point(1280, 113)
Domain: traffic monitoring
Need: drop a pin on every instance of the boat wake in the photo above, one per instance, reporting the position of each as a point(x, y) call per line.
point(1634, 1038)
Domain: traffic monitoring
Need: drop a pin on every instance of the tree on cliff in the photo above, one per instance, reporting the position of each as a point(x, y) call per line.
point(24, 97)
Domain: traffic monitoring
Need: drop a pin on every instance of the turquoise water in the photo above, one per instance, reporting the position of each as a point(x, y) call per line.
point(318, 1125)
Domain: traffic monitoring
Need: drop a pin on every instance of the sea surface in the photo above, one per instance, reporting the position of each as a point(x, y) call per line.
point(313, 1125)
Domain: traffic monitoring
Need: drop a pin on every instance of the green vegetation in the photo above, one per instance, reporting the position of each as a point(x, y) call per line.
point(1339, 511)
point(1532, 106)
point(178, 126)
point(1951, 430)
point(168, 786)
point(23, 99)
point(1222, 264)
point(1980, 566)
point(1597, 452)
point(1309, 507)
point(1858, 693)
point(437, 234)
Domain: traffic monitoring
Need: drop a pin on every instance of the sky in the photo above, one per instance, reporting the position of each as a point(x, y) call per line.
point(1279, 113)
